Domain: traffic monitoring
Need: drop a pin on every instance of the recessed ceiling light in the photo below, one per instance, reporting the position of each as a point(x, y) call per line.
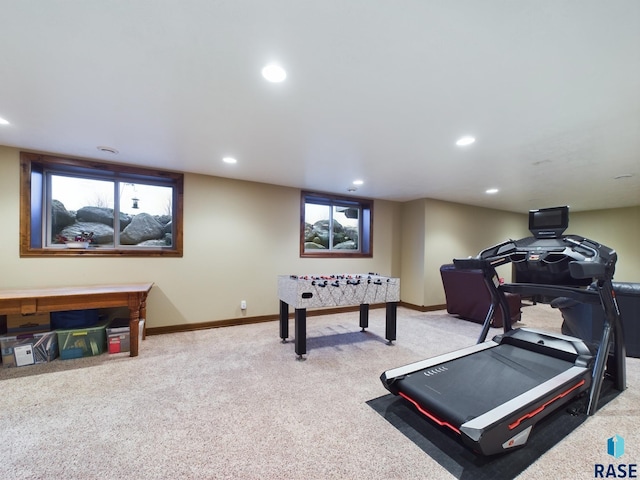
point(491, 191)
point(4, 122)
point(358, 182)
point(464, 141)
point(110, 150)
point(274, 73)
point(229, 160)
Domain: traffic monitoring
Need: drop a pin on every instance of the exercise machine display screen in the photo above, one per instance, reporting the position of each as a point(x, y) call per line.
point(548, 222)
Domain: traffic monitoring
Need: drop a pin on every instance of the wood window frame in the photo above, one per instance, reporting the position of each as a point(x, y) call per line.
point(365, 233)
point(31, 222)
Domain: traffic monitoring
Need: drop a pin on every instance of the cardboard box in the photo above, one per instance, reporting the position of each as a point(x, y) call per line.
point(27, 349)
point(35, 323)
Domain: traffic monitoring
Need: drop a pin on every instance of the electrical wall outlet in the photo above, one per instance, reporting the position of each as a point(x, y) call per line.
point(243, 305)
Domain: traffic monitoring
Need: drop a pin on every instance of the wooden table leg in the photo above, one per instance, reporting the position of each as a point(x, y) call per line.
point(137, 306)
point(134, 331)
point(143, 316)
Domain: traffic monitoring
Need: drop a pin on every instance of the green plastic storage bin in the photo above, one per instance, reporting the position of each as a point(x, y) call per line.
point(82, 342)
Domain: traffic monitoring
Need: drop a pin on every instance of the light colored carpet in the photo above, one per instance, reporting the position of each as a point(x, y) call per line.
point(235, 403)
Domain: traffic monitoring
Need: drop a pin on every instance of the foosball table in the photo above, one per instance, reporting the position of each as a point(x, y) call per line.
point(317, 291)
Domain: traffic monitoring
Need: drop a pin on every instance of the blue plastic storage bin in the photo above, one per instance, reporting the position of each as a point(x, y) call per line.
point(74, 319)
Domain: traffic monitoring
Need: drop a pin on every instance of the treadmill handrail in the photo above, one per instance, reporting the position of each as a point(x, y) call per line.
point(556, 291)
point(491, 280)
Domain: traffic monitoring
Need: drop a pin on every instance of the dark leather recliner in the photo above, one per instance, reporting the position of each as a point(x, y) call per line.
point(468, 297)
point(585, 321)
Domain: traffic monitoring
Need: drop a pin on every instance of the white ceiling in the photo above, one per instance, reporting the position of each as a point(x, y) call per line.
point(377, 90)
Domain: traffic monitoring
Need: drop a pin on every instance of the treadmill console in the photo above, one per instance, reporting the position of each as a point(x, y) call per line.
point(551, 258)
point(569, 260)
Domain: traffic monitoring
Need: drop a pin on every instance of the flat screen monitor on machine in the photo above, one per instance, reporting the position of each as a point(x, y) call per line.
point(548, 222)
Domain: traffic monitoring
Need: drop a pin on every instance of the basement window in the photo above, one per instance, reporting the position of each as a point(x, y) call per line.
point(73, 207)
point(334, 226)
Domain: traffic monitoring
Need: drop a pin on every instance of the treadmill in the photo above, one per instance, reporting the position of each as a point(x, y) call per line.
point(493, 393)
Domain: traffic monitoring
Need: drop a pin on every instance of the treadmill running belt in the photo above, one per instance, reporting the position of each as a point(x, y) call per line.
point(466, 387)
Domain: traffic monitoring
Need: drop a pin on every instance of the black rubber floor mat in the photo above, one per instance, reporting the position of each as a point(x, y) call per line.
point(444, 446)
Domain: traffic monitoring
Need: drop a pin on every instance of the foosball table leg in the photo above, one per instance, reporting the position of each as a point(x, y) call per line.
point(390, 326)
point(301, 331)
point(284, 321)
point(364, 316)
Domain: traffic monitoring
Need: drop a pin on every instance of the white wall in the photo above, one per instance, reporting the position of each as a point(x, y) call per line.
point(435, 232)
point(458, 231)
point(238, 236)
point(452, 230)
point(616, 228)
point(412, 259)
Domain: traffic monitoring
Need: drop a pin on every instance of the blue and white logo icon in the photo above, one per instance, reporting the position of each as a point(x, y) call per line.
point(615, 446)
